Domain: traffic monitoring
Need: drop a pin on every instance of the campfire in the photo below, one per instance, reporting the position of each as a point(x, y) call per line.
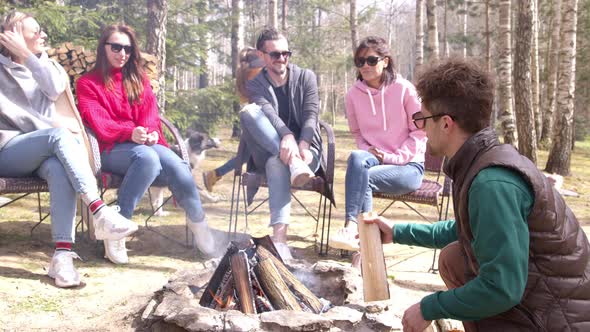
point(252, 278)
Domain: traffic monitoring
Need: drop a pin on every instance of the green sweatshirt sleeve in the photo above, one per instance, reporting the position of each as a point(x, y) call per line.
point(436, 235)
point(499, 202)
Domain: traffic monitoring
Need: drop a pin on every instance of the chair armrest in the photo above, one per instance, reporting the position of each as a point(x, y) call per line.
point(94, 150)
point(177, 137)
point(330, 153)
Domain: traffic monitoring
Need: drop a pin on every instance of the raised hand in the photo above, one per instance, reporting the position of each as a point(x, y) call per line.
point(14, 41)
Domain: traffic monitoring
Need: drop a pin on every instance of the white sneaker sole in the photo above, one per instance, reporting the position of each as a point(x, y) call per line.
point(343, 245)
point(100, 235)
point(60, 284)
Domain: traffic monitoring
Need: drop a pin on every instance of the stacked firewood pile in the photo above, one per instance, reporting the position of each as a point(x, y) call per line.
point(77, 61)
point(252, 278)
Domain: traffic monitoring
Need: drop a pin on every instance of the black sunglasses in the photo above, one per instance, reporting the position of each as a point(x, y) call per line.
point(420, 121)
point(277, 55)
point(118, 47)
point(370, 60)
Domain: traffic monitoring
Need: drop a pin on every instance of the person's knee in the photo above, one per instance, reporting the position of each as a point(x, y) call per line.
point(148, 159)
point(248, 115)
point(357, 159)
point(448, 258)
point(61, 134)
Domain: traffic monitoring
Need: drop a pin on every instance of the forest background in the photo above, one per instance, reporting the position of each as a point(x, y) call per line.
point(539, 50)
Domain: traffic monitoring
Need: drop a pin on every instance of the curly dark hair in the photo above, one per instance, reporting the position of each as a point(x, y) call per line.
point(459, 88)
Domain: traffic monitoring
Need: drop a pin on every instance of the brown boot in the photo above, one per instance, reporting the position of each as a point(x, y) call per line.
point(210, 179)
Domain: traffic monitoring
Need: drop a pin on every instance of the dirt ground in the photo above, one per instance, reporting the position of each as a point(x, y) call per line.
point(112, 296)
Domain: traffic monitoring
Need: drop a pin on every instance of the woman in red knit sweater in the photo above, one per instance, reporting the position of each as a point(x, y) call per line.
point(116, 101)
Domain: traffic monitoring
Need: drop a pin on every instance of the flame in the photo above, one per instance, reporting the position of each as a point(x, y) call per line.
point(220, 302)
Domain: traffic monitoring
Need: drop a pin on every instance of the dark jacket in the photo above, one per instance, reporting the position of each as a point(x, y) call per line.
point(304, 105)
point(557, 293)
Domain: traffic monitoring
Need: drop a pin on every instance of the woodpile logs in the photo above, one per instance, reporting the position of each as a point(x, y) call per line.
point(77, 61)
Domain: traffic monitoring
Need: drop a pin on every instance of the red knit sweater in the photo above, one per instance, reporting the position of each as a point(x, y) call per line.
point(108, 112)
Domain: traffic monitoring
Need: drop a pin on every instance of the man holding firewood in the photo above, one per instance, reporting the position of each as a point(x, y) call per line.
point(515, 258)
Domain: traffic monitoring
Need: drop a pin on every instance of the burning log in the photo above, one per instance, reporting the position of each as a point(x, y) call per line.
point(242, 283)
point(273, 285)
point(298, 288)
point(252, 278)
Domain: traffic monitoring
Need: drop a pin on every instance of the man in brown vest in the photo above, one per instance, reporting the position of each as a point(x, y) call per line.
point(515, 258)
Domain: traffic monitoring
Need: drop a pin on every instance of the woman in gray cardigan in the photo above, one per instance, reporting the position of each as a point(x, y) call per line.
point(32, 145)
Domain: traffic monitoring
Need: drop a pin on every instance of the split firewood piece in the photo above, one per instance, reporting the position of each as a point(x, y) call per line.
point(267, 243)
point(213, 286)
point(274, 287)
point(292, 282)
point(243, 285)
point(375, 286)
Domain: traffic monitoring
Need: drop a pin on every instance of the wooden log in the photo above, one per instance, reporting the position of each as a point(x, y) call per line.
point(62, 56)
point(91, 58)
point(78, 49)
point(51, 52)
point(267, 243)
point(216, 278)
point(292, 282)
point(62, 50)
point(69, 46)
point(274, 287)
point(242, 283)
point(375, 286)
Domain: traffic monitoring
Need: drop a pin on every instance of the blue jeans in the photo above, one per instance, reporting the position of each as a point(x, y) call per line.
point(56, 156)
point(364, 175)
point(263, 142)
point(141, 165)
point(229, 166)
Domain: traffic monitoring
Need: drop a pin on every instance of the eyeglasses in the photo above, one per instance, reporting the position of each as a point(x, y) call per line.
point(277, 55)
point(118, 47)
point(420, 121)
point(370, 60)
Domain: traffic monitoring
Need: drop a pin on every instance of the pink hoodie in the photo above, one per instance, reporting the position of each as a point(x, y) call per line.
point(382, 118)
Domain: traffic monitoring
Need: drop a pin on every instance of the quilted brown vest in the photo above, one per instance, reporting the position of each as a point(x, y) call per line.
point(557, 293)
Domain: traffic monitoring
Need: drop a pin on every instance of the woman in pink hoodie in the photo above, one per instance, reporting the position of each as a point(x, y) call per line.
point(390, 155)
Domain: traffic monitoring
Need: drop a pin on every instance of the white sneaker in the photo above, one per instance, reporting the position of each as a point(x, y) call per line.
point(62, 269)
point(203, 237)
point(300, 172)
point(344, 239)
point(283, 250)
point(115, 251)
point(110, 225)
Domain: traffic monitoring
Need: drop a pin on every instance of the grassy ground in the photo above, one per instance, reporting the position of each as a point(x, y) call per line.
point(112, 295)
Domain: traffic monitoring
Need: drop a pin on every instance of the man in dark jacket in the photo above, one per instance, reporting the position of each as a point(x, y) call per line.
point(515, 258)
point(281, 129)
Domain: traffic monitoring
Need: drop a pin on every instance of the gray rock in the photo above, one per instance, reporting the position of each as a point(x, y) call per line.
point(236, 321)
point(344, 318)
point(285, 320)
point(198, 319)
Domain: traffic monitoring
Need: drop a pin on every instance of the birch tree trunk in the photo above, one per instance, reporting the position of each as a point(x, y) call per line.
point(465, 9)
point(445, 42)
point(488, 33)
point(535, 70)
point(157, 12)
point(419, 37)
point(560, 155)
point(285, 12)
point(552, 68)
point(505, 74)
point(237, 43)
point(354, 35)
point(272, 13)
point(433, 53)
point(525, 121)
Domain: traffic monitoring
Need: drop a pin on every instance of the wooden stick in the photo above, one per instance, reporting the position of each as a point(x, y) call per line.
point(242, 282)
point(274, 287)
point(375, 286)
point(292, 282)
